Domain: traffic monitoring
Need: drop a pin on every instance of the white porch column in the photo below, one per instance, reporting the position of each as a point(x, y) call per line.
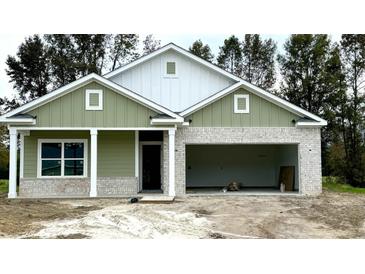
point(13, 162)
point(172, 162)
point(93, 162)
point(136, 158)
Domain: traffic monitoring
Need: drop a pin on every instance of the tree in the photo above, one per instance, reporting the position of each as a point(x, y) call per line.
point(150, 44)
point(124, 49)
point(312, 78)
point(353, 58)
point(29, 70)
point(203, 51)
point(62, 57)
point(230, 56)
point(90, 52)
point(4, 153)
point(302, 68)
point(258, 64)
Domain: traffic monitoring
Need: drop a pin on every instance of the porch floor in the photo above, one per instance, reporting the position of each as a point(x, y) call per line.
point(217, 191)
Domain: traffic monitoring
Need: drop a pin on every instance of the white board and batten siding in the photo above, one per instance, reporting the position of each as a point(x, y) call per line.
point(193, 83)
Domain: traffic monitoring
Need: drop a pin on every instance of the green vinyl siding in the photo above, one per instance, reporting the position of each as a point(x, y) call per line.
point(69, 111)
point(262, 114)
point(115, 151)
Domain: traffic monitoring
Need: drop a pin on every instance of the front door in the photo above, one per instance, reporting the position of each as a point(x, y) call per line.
point(151, 167)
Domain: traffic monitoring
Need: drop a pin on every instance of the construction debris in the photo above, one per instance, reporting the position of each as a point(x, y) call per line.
point(233, 186)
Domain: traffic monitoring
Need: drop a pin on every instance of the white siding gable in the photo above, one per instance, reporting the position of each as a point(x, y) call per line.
point(193, 83)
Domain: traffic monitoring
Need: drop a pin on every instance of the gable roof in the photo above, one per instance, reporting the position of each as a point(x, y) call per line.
point(239, 82)
point(316, 121)
point(171, 46)
point(9, 116)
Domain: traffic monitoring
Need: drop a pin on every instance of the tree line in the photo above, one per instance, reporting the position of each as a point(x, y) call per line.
point(311, 71)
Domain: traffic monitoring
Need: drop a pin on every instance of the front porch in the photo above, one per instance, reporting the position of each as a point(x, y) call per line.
point(92, 162)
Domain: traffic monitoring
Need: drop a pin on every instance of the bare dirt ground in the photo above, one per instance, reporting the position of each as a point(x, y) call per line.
point(331, 215)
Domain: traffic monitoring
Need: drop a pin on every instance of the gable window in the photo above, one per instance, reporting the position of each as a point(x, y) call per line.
point(62, 158)
point(241, 103)
point(94, 99)
point(170, 69)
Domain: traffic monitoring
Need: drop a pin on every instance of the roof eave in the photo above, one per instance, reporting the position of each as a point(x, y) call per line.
point(17, 121)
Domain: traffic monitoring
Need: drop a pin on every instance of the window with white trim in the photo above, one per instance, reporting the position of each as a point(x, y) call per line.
point(241, 103)
point(62, 158)
point(170, 69)
point(94, 99)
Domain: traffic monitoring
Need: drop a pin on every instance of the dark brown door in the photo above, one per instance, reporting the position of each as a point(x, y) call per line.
point(151, 167)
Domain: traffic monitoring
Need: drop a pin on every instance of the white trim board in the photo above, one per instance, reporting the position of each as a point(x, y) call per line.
point(92, 128)
point(100, 105)
point(63, 159)
point(83, 81)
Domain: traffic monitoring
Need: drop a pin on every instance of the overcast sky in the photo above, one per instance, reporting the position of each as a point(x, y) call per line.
point(10, 42)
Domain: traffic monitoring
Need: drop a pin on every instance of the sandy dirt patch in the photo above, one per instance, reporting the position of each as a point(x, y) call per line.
point(331, 215)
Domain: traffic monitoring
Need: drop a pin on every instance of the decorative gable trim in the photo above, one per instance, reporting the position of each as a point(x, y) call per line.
point(237, 98)
point(89, 104)
point(81, 82)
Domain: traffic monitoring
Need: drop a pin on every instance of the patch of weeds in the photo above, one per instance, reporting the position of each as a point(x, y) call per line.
point(336, 185)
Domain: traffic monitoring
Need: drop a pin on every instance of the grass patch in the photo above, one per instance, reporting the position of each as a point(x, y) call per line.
point(335, 184)
point(4, 186)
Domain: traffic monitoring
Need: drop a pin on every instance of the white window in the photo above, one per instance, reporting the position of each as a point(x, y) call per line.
point(94, 99)
point(62, 158)
point(170, 69)
point(241, 103)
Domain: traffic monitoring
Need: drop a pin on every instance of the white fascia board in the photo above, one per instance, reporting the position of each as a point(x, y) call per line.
point(259, 92)
point(165, 122)
point(82, 81)
point(30, 121)
point(48, 96)
point(23, 128)
point(310, 124)
point(181, 51)
point(210, 99)
point(281, 102)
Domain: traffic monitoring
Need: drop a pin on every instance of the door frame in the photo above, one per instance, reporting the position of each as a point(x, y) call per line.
point(141, 144)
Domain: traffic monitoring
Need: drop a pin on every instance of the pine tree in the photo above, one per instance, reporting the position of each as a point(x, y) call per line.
point(29, 70)
point(302, 68)
point(312, 78)
point(150, 44)
point(258, 63)
point(62, 58)
point(124, 49)
point(353, 58)
point(230, 56)
point(201, 50)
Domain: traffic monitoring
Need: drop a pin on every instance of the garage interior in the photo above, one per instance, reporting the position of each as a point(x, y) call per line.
point(257, 168)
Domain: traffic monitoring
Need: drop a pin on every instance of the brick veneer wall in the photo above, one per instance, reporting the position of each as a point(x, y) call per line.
point(308, 140)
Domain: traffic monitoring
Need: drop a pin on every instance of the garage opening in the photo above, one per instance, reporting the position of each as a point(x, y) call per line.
point(256, 168)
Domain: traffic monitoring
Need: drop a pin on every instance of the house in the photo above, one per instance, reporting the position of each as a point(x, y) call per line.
point(168, 122)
